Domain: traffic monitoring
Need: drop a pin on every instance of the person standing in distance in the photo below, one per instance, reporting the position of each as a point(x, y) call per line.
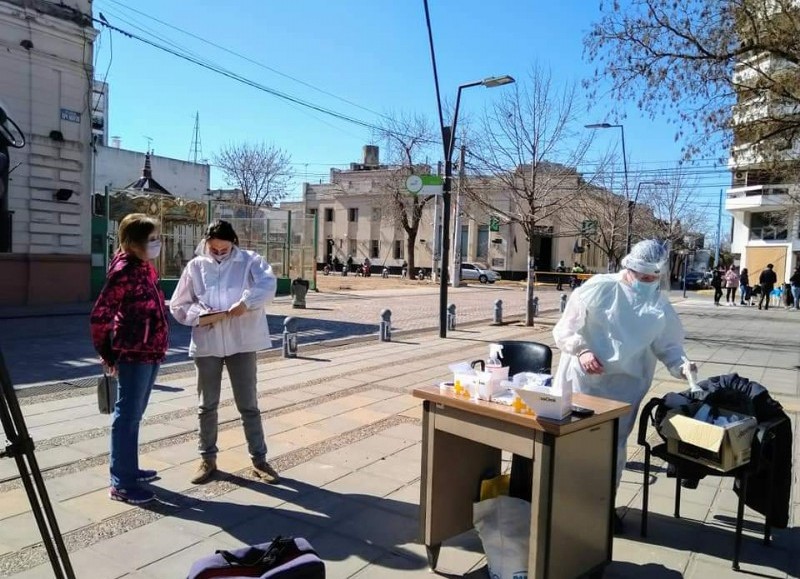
point(238, 283)
point(767, 281)
point(130, 331)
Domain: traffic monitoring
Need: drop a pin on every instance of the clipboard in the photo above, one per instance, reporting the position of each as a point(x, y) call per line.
point(211, 318)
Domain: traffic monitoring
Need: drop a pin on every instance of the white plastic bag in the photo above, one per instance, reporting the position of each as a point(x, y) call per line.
point(504, 526)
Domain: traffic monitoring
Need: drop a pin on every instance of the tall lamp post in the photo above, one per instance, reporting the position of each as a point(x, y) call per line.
point(632, 207)
point(624, 168)
point(448, 140)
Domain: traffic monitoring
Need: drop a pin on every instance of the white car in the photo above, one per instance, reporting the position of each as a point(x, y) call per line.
point(478, 271)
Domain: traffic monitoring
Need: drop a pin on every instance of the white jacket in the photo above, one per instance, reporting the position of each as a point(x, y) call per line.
point(206, 285)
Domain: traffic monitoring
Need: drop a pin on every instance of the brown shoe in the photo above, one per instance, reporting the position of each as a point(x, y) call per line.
point(265, 472)
point(208, 466)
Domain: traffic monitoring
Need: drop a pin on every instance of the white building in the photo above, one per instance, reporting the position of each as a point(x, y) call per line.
point(118, 168)
point(46, 51)
point(100, 113)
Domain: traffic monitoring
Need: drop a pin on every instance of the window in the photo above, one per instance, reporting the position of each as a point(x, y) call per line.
point(398, 249)
point(464, 241)
point(374, 250)
point(312, 211)
point(376, 213)
point(769, 225)
point(328, 214)
point(353, 247)
point(352, 214)
point(483, 242)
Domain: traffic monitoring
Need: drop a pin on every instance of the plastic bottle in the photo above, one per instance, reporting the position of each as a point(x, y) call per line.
point(691, 375)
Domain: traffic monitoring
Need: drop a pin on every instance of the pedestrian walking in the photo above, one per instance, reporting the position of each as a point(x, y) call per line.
point(716, 283)
point(767, 281)
point(130, 331)
point(744, 287)
point(560, 271)
point(731, 285)
point(795, 281)
point(233, 285)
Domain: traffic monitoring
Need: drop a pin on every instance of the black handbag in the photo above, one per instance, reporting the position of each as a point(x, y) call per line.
point(282, 558)
point(106, 394)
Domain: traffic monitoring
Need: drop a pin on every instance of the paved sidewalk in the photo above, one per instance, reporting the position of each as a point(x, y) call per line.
point(345, 433)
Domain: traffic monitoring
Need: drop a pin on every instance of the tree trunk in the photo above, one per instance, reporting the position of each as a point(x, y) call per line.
point(529, 286)
point(410, 242)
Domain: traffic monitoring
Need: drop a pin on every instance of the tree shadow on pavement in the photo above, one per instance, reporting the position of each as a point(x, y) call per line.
point(374, 529)
point(625, 570)
point(716, 539)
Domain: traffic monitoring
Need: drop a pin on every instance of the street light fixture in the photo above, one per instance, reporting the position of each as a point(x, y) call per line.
point(632, 207)
point(624, 168)
point(448, 141)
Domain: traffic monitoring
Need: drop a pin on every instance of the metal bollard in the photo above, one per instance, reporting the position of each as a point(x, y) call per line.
point(385, 331)
point(385, 272)
point(498, 312)
point(563, 302)
point(535, 303)
point(451, 317)
point(290, 337)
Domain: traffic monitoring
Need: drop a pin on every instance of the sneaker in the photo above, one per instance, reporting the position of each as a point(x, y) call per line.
point(146, 475)
point(265, 472)
point(208, 466)
point(134, 496)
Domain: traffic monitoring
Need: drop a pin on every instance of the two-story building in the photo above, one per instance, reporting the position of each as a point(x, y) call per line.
point(46, 55)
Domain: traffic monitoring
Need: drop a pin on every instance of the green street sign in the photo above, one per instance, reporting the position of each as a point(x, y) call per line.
point(494, 223)
point(424, 184)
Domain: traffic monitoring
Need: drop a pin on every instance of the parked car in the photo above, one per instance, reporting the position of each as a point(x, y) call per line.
point(696, 280)
point(479, 272)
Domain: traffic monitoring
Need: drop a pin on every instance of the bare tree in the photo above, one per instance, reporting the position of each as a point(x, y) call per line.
point(408, 138)
point(261, 171)
point(695, 57)
point(525, 159)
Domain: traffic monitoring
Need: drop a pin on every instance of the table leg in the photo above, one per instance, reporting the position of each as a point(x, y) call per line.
point(433, 555)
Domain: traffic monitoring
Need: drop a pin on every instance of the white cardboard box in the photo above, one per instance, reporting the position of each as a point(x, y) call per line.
point(547, 403)
point(720, 447)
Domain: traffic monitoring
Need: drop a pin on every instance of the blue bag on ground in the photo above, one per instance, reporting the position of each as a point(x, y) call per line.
point(282, 558)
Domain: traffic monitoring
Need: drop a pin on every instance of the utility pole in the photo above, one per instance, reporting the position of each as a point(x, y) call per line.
point(196, 148)
point(457, 220)
point(719, 229)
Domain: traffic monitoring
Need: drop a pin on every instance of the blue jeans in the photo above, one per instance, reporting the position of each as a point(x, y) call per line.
point(135, 383)
point(796, 296)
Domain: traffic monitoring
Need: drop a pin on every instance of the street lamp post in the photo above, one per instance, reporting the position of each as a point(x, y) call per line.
point(625, 172)
point(448, 140)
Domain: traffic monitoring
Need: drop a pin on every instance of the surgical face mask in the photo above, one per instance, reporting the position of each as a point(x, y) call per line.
point(153, 248)
point(218, 255)
point(645, 290)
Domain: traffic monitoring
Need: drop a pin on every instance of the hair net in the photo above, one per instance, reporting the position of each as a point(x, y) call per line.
point(648, 256)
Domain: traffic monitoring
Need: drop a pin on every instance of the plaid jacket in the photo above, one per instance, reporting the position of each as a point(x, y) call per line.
point(129, 319)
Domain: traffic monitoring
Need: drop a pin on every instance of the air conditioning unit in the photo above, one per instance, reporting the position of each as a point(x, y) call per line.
point(740, 178)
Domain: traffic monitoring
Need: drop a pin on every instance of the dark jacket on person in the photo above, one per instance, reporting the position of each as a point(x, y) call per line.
point(716, 280)
point(744, 279)
point(795, 279)
point(129, 320)
point(737, 394)
point(768, 278)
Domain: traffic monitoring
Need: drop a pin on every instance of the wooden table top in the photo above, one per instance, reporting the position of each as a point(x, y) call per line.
point(604, 410)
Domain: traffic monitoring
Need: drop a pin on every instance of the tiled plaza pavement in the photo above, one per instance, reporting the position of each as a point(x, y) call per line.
point(345, 433)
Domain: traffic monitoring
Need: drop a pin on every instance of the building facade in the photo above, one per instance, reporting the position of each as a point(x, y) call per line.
point(46, 71)
point(356, 218)
point(116, 168)
point(765, 170)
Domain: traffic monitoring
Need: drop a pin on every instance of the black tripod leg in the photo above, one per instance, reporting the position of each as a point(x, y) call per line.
point(21, 449)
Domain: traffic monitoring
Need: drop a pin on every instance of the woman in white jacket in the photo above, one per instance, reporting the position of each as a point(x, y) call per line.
point(235, 284)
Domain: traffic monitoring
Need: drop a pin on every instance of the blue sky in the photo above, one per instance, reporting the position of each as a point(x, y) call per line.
point(372, 53)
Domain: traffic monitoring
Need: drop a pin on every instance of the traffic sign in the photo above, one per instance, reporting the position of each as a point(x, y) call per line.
point(424, 184)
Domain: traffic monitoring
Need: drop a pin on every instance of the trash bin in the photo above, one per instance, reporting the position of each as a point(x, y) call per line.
point(299, 289)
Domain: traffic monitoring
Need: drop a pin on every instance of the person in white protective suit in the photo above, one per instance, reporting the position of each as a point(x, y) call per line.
point(613, 330)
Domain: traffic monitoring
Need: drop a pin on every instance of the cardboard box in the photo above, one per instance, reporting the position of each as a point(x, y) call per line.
point(547, 402)
point(719, 447)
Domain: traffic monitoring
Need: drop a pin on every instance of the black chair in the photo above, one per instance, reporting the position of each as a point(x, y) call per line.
point(685, 469)
point(522, 356)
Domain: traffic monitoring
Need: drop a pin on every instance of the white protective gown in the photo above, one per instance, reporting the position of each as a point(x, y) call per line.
point(627, 334)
